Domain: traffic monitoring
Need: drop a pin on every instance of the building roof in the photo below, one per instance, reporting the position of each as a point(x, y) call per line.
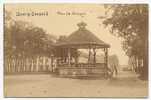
point(83, 38)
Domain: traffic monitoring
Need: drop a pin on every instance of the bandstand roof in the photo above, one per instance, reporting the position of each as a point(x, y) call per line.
point(83, 38)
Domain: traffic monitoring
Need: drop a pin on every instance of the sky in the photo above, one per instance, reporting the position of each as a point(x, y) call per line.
point(62, 19)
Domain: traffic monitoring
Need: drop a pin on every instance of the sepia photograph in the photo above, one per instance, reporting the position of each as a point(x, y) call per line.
point(76, 50)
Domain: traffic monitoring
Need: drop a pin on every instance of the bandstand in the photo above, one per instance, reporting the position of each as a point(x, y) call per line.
point(67, 54)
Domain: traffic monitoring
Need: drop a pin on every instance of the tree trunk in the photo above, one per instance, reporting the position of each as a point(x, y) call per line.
point(144, 74)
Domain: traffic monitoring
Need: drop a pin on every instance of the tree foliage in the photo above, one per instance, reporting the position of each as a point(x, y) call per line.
point(130, 22)
point(24, 39)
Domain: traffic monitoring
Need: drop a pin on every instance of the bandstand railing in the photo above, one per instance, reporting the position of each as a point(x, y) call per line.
point(81, 69)
point(81, 65)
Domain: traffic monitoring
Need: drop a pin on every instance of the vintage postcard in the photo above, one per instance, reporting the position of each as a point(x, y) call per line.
point(76, 50)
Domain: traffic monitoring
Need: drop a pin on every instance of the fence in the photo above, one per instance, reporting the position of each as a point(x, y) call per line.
point(20, 65)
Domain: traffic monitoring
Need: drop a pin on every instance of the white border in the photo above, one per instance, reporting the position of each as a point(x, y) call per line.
point(65, 1)
point(1, 50)
point(76, 1)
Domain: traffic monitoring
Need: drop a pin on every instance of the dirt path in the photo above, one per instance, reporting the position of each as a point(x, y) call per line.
point(125, 84)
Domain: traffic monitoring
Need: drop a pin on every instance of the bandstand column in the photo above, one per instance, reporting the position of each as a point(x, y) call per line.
point(52, 60)
point(106, 57)
point(89, 54)
point(94, 55)
point(69, 57)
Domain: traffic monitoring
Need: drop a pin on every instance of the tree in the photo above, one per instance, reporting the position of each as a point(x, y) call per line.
point(24, 39)
point(130, 22)
point(8, 48)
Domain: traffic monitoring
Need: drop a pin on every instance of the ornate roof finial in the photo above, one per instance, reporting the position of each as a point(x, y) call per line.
point(81, 25)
